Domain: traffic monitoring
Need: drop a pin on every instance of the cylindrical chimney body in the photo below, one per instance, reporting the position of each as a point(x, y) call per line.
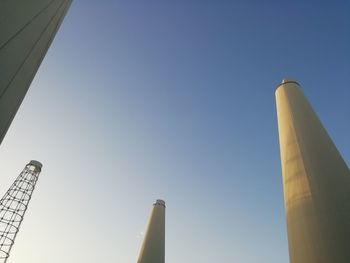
point(153, 246)
point(316, 183)
point(27, 29)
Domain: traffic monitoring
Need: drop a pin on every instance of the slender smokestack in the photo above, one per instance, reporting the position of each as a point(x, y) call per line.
point(153, 246)
point(316, 182)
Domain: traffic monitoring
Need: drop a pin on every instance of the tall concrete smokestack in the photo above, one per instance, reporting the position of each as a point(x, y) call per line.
point(27, 28)
point(153, 246)
point(316, 182)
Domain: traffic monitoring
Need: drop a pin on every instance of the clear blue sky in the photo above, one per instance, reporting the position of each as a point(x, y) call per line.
point(139, 100)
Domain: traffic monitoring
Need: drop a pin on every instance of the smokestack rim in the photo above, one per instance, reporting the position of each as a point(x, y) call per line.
point(286, 81)
point(159, 202)
point(282, 85)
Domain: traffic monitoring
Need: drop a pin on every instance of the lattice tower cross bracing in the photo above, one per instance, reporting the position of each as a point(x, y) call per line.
point(13, 206)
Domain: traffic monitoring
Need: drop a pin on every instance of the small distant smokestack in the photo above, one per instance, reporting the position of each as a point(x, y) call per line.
point(153, 246)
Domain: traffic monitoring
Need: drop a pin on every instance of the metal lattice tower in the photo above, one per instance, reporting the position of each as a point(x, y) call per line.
point(13, 206)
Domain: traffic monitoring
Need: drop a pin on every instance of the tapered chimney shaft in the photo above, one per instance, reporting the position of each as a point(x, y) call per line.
point(153, 246)
point(27, 28)
point(316, 183)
